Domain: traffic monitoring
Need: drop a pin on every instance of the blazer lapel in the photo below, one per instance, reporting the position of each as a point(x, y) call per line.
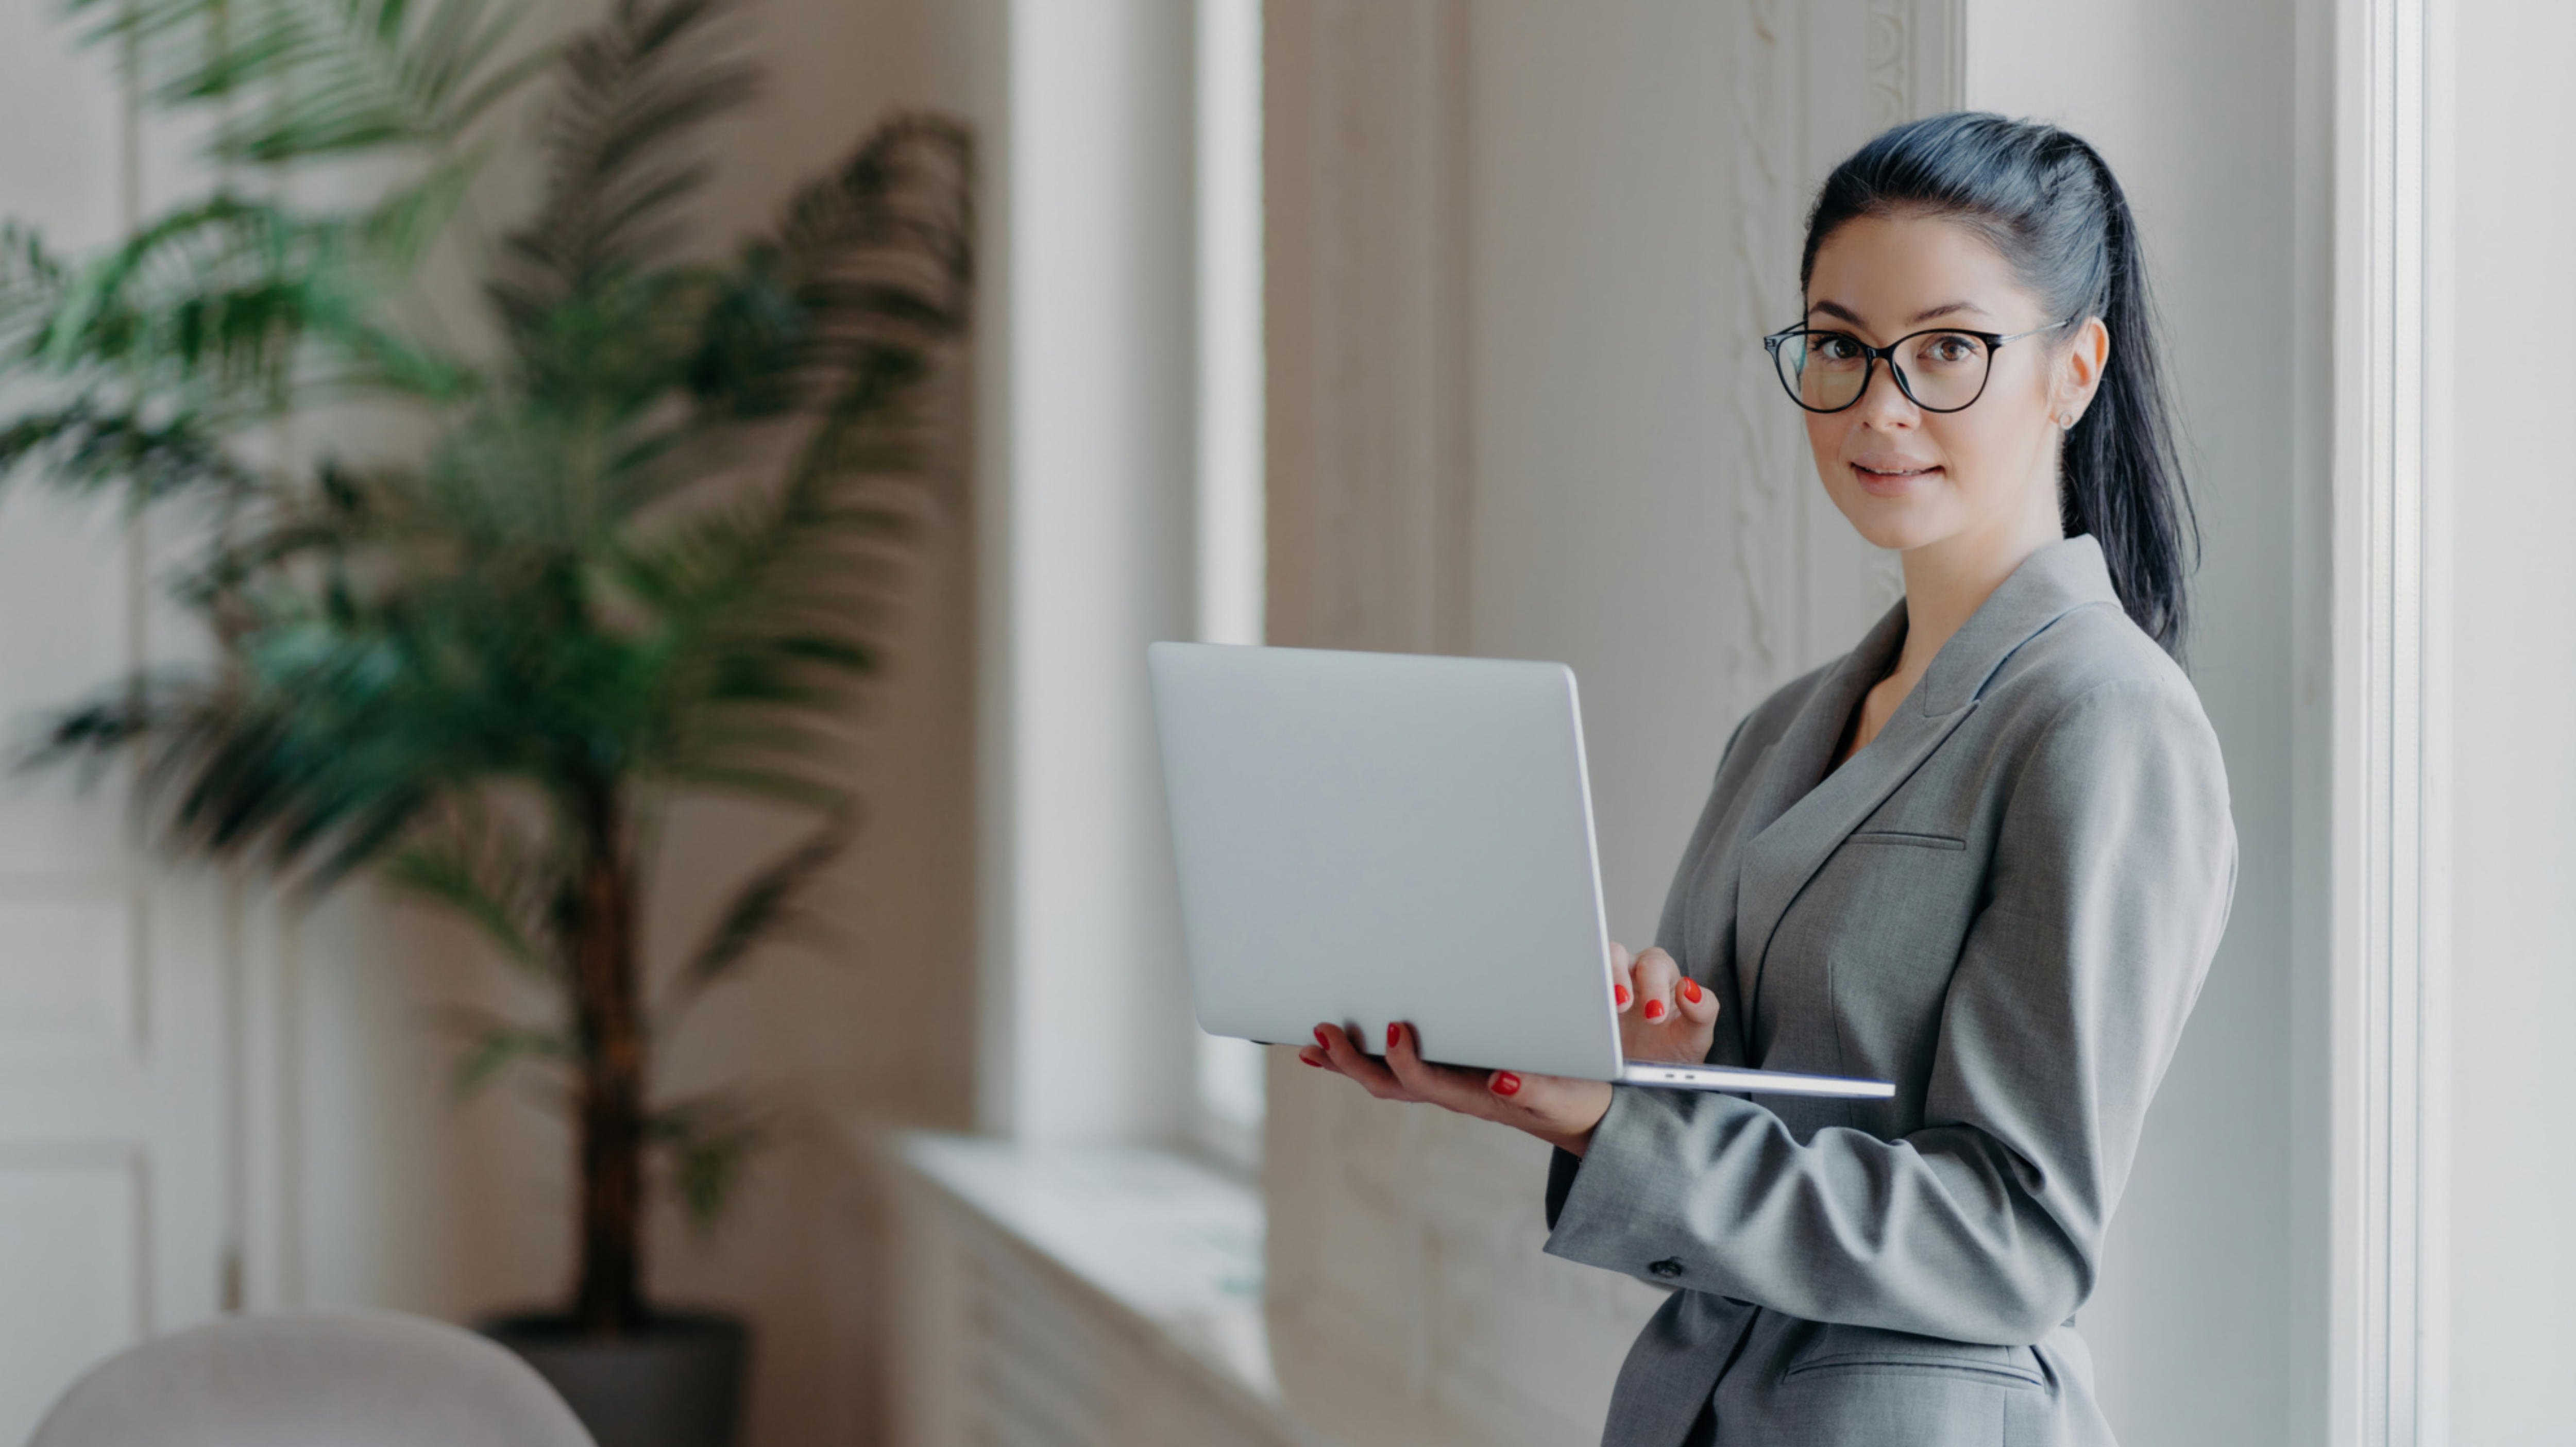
point(1790, 767)
point(1781, 859)
point(1804, 821)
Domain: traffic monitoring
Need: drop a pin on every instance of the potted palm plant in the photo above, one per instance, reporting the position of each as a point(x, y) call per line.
point(640, 547)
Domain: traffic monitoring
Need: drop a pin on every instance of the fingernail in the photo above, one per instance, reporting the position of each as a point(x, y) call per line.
point(1507, 1083)
point(1311, 1060)
point(1654, 1009)
point(1393, 1034)
point(1690, 991)
point(1620, 994)
point(1323, 1039)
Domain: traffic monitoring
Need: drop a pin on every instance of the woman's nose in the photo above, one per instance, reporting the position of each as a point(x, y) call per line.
point(1882, 402)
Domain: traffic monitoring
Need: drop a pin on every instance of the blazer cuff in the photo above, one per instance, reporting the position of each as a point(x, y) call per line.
point(1618, 1210)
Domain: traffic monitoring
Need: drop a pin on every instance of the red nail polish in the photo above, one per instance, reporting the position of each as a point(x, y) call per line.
point(1654, 1009)
point(1323, 1039)
point(1691, 991)
point(1507, 1083)
point(1312, 1061)
point(1620, 994)
point(1393, 1034)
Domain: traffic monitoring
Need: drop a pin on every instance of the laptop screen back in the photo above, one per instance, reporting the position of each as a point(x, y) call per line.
point(1367, 837)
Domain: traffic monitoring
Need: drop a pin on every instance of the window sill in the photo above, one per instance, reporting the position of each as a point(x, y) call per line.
point(1166, 1240)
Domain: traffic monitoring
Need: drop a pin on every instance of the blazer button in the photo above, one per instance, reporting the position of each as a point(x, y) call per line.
point(1667, 1268)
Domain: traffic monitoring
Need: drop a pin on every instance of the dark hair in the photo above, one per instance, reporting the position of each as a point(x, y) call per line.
point(2049, 204)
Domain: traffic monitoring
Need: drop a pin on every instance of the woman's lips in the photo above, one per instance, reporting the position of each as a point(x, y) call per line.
point(1891, 480)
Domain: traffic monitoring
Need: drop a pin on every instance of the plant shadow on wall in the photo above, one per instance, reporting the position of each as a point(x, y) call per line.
point(649, 550)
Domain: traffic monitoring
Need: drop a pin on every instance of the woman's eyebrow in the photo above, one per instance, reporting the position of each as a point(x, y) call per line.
point(1837, 309)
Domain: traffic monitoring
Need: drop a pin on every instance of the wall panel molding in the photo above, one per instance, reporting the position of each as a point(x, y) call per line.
point(1916, 58)
point(1771, 471)
point(72, 978)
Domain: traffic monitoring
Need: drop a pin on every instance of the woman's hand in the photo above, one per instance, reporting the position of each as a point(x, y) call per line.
point(1663, 1014)
point(1556, 1109)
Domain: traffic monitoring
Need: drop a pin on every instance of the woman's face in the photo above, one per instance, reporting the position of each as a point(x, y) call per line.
point(1907, 478)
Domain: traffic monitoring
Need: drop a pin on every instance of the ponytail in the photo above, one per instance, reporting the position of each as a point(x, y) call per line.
point(2048, 202)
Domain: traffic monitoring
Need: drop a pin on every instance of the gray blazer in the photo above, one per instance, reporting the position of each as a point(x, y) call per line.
point(2005, 904)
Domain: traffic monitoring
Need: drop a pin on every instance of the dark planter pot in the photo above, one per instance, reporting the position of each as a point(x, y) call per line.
point(675, 1383)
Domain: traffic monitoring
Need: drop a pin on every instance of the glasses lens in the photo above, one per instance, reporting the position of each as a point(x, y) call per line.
point(1944, 370)
point(1823, 370)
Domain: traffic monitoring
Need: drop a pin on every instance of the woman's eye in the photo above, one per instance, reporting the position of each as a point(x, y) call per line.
point(1838, 349)
point(1952, 349)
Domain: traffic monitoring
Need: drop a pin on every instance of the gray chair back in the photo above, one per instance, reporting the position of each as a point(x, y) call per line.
point(313, 1379)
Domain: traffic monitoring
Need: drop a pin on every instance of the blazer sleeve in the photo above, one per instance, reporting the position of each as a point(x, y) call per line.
point(2109, 888)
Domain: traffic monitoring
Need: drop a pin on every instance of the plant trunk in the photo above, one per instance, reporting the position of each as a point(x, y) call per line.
point(609, 1300)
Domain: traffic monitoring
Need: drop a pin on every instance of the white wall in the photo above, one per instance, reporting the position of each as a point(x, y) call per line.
point(2511, 950)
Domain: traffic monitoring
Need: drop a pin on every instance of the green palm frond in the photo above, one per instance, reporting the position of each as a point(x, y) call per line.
point(774, 604)
point(766, 605)
point(330, 77)
point(889, 239)
point(873, 259)
point(353, 714)
point(621, 142)
point(493, 1046)
point(705, 1141)
point(85, 446)
point(233, 776)
point(398, 231)
point(297, 530)
point(32, 279)
point(486, 868)
point(761, 906)
point(219, 294)
point(231, 303)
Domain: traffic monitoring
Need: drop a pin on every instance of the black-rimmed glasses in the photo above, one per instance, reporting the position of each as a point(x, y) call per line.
point(1943, 370)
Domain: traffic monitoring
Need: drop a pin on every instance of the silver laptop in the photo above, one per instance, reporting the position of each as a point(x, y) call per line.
point(1372, 837)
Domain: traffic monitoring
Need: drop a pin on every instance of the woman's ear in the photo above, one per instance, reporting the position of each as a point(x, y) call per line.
point(2079, 371)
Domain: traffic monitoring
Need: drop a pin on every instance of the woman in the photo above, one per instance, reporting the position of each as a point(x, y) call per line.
point(1986, 856)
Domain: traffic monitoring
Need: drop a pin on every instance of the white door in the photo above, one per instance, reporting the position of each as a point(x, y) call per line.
point(115, 1122)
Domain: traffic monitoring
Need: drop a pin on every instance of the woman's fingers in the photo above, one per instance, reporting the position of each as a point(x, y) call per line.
point(1623, 988)
point(1556, 1109)
point(1696, 1025)
point(1698, 1006)
point(1344, 1054)
point(1464, 1091)
point(1675, 1017)
point(1656, 976)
